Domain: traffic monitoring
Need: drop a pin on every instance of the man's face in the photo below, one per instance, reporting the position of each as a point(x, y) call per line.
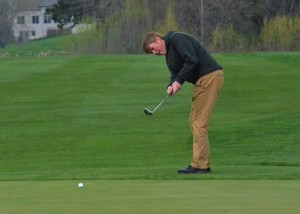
point(158, 47)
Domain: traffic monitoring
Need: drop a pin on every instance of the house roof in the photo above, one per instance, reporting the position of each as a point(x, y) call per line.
point(35, 4)
point(47, 3)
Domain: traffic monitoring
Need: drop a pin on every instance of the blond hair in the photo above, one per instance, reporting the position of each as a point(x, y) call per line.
point(149, 39)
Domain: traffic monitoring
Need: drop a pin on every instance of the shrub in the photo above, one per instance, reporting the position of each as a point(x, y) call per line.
point(281, 34)
point(228, 40)
point(169, 22)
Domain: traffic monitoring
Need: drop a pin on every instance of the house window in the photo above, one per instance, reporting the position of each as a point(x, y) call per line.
point(20, 20)
point(35, 19)
point(33, 33)
point(47, 18)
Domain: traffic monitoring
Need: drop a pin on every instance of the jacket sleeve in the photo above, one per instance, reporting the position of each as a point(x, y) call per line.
point(172, 78)
point(187, 51)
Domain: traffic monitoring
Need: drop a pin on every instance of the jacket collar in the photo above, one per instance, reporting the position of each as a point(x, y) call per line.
point(167, 38)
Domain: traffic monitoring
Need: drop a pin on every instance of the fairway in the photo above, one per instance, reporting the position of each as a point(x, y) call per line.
point(78, 117)
point(176, 197)
point(66, 119)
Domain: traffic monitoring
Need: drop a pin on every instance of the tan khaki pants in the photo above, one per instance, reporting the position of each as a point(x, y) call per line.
point(205, 94)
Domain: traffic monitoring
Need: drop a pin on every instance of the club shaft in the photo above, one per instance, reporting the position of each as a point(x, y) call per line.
point(160, 103)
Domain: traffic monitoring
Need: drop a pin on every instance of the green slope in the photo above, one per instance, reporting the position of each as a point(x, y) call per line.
point(79, 117)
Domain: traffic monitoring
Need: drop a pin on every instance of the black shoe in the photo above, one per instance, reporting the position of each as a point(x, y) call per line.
point(191, 169)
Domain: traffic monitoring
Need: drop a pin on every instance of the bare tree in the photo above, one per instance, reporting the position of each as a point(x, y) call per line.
point(198, 17)
point(7, 15)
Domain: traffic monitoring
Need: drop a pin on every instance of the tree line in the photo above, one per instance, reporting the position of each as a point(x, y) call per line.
point(221, 25)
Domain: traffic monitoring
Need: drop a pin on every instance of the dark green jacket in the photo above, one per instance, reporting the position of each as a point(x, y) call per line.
point(187, 59)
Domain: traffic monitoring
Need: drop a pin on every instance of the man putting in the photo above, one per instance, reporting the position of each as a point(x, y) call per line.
point(189, 61)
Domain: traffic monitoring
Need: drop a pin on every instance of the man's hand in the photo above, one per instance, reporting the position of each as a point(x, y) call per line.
point(172, 90)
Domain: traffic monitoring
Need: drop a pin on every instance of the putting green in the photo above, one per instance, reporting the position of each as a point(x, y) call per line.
point(151, 196)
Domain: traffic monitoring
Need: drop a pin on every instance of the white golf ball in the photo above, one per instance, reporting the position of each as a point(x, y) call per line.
point(80, 185)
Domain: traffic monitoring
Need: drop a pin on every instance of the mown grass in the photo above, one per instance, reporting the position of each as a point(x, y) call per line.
point(150, 196)
point(81, 117)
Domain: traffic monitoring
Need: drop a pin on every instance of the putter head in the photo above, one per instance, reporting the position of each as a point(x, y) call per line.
point(147, 111)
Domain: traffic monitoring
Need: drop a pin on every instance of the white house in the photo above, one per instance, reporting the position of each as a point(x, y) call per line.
point(33, 22)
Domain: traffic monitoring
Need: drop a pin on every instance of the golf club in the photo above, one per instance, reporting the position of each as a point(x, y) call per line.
point(148, 112)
